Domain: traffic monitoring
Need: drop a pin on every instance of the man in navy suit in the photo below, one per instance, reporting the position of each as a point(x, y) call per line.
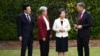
point(83, 25)
point(25, 29)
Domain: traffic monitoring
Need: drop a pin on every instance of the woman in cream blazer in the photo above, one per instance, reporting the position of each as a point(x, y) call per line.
point(61, 26)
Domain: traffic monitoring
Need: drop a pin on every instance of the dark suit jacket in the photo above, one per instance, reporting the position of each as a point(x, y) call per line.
point(42, 29)
point(25, 28)
point(86, 22)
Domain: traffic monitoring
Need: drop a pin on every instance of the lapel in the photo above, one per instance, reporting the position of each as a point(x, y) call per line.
point(25, 19)
point(31, 17)
point(59, 21)
point(83, 17)
point(43, 20)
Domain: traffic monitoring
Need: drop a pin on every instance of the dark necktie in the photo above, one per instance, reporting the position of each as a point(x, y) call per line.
point(28, 18)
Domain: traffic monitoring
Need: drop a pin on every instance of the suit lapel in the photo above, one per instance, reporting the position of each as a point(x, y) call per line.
point(31, 17)
point(43, 20)
point(83, 17)
point(24, 18)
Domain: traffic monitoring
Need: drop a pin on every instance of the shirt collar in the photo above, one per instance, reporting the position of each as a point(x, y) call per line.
point(83, 11)
point(26, 14)
point(63, 19)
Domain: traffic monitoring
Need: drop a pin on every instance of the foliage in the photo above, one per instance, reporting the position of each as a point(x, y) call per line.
point(9, 10)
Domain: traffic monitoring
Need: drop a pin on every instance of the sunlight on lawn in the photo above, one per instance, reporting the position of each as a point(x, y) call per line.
point(94, 51)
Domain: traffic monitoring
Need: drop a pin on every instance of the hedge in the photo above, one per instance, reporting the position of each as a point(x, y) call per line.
point(9, 10)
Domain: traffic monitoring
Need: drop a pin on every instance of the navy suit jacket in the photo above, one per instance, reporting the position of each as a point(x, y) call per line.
point(25, 28)
point(86, 22)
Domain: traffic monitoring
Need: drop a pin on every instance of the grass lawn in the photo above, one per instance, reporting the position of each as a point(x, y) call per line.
point(94, 51)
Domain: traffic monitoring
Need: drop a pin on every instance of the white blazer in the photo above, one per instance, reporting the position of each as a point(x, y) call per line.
point(57, 26)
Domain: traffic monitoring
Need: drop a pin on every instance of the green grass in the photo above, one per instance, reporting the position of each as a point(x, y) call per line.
point(94, 51)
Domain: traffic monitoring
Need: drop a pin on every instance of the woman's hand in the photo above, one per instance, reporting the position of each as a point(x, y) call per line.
point(62, 30)
point(44, 39)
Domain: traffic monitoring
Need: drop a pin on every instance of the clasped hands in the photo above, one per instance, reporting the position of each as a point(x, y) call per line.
point(62, 30)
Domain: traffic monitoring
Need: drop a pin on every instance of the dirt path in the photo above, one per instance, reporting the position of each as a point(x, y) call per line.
point(16, 44)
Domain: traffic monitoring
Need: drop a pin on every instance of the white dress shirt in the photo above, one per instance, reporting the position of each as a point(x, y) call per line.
point(57, 26)
point(83, 13)
point(47, 23)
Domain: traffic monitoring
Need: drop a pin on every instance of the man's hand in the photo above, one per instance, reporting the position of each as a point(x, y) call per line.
point(20, 38)
point(79, 26)
point(44, 39)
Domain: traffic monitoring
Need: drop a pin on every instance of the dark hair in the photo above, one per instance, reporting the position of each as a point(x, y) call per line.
point(61, 10)
point(25, 6)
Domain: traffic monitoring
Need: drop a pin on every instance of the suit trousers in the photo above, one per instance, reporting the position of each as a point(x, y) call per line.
point(44, 45)
point(83, 45)
point(26, 43)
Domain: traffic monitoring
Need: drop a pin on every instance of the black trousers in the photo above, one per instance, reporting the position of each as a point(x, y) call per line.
point(26, 43)
point(44, 46)
point(83, 44)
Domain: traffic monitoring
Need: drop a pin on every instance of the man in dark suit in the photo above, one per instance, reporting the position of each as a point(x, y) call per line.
point(25, 29)
point(44, 31)
point(83, 26)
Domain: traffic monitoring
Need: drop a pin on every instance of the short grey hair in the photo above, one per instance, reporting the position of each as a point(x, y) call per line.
point(43, 8)
point(82, 4)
